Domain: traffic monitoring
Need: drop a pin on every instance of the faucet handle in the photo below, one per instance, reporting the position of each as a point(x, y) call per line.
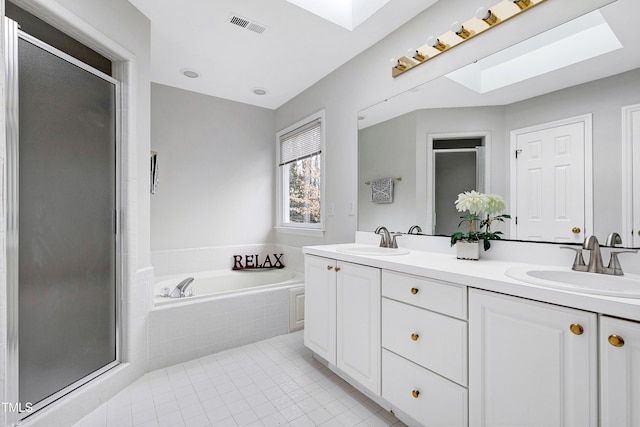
point(614, 264)
point(578, 262)
point(394, 242)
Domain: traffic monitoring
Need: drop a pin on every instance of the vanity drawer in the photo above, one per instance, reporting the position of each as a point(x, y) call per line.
point(426, 397)
point(432, 340)
point(433, 295)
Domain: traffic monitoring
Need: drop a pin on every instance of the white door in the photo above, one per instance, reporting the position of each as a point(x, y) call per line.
point(631, 175)
point(551, 196)
point(619, 372)
point(320, 306)
point(531, 363)
point(636, 177)
point(358, 323)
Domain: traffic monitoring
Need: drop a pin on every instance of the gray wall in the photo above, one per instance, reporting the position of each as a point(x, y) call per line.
point(216, 171)
point(366, 80)
point(388, 151)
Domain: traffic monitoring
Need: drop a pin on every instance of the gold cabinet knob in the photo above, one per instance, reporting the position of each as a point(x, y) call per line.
point(415, 337)
point(616, 340)
point(576, 230)
point(415, 393)
point(329, 267)
point(337, 269)
point(414, 290)
point(576, 329)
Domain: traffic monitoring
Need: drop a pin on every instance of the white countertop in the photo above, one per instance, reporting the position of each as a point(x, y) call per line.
point(485, 274)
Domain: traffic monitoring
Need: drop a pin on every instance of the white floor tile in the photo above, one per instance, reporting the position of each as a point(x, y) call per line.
point(270, 383)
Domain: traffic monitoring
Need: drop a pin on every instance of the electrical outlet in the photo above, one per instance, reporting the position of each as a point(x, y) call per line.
point(351, 208)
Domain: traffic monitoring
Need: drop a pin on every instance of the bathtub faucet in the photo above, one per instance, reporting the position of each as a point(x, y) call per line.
point(180, 290)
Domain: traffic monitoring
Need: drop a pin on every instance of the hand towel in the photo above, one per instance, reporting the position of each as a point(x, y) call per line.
point(382, 190)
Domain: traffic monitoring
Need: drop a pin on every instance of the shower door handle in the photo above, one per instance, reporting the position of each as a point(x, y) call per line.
point(116, 222)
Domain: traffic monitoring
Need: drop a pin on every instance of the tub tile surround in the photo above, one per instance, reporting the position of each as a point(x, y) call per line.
point(271, 382)
point(186, 331)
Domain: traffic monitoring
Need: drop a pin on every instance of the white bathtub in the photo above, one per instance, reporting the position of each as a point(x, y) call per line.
point(229, 309)
point(209, 284)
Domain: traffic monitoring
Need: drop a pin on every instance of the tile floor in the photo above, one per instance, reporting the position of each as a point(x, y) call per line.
point(274, 382)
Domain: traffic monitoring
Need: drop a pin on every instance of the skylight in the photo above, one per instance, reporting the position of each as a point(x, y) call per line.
point(345, 13)
point(578, 40)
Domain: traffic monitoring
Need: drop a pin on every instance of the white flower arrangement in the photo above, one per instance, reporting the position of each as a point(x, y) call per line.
point(485, 208)
point(472, 201)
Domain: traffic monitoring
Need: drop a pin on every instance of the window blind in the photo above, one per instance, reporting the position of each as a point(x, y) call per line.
point(300, 143)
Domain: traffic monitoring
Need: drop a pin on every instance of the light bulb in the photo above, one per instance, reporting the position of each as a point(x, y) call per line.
point(522, 4)
point(486, 15)
point(460, 30)
point(398, 64)
point(416, 54)
point(436, 43)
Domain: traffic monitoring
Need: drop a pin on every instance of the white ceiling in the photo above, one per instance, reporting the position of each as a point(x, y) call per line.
point(296, 50)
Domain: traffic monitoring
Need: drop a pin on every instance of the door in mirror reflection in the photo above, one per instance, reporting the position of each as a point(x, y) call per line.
point(455, 171)
point(457, 167)
point(550, 182)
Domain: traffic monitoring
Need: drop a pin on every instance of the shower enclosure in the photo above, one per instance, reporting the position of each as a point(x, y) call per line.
point(63, 245)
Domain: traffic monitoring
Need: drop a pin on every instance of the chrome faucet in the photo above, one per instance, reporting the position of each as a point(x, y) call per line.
point(180, 290)
point(415, 228)
point(385, 237)
point(595, 257)
point(613, 239)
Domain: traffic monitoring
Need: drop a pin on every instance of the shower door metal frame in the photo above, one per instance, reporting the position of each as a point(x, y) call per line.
point(12, 35)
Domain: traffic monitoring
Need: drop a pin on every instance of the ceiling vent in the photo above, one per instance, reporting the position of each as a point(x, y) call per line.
point(246, 23)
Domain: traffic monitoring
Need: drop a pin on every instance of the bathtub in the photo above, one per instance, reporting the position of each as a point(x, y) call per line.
point(218, 283)
point(229, 309)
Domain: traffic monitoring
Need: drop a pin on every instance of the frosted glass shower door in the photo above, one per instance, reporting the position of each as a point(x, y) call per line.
point(67, 241)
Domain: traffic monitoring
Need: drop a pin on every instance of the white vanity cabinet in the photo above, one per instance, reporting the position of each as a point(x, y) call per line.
point(531, 363)
point(619, 372)
point(342, 317)
point(320, 306)
point(424, 356)
point(358, 323)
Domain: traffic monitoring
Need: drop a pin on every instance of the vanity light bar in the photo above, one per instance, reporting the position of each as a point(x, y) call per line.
point(460, 32)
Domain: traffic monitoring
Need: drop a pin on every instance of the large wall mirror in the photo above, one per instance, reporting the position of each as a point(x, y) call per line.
point(571, 93)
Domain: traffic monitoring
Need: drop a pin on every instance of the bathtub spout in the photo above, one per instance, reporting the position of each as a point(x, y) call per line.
point(180, 290)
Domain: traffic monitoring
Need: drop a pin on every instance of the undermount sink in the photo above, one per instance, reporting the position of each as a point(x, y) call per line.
point(372, 250)
point(627, 286)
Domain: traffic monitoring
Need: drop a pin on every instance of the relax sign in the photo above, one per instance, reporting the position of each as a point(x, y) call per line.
point(248, 262)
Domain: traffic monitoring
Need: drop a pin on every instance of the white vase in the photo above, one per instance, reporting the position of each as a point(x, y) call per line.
point(468, 249)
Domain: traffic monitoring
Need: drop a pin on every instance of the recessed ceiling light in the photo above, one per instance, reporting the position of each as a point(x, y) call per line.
point(259, 91)
point(190, 72)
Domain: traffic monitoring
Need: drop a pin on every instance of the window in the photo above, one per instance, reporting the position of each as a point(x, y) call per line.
point(300, 176)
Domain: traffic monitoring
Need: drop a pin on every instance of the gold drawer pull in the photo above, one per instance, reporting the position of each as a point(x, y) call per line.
point(415, 393)
point(414, 290)
point(576, 329)
point(415, 337)
point(329, 267)
point(337, 269)
point(616, 340)
point(576, 230)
